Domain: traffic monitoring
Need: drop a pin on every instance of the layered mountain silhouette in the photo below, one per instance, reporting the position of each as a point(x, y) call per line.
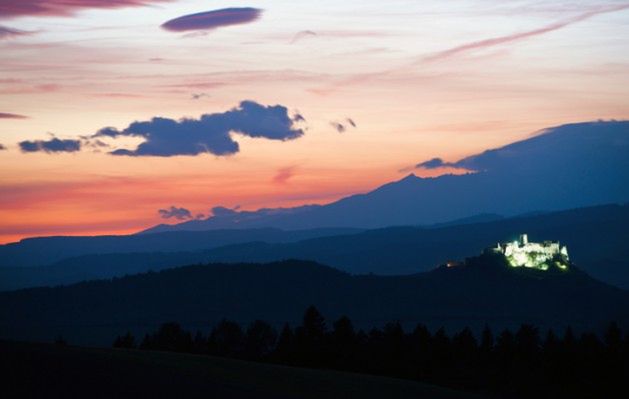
point(563, 167)
point(596, 238)
point(49, 250)
point(483, 291)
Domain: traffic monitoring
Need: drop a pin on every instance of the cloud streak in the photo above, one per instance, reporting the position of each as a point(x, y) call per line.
point(21, 8)
point(211, 133)
point(7, 33)
point(496, 41)
point(7, 115)
point(434, 163)
point(210, 20)
point(284, 174)
point(53, 145)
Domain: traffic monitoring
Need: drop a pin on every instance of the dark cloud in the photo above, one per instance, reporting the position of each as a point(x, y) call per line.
point(341, 127)
point(50, 146)
point(338, 126)
point(2, 147)
point(211, 20)
point(434, 164)
point(211, 133)
point(19, 8)
point(6, 115)
point(175, 213)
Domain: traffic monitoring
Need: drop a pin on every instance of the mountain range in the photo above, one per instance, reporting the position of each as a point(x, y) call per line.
point(563, 167)
point(596, 238)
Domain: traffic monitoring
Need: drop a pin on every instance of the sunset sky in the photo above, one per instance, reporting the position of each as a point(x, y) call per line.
point(304, 102)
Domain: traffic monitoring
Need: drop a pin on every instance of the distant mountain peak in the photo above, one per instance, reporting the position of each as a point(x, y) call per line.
point(562, 167)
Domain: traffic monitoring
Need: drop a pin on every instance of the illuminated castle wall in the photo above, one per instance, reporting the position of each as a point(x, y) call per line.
point(522, 253)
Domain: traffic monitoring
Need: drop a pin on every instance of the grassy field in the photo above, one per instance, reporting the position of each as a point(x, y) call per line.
point(46, 370)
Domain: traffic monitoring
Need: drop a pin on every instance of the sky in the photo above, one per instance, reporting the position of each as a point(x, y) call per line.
point(119, 115)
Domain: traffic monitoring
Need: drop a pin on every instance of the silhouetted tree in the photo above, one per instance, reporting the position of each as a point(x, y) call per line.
point(125, 341)
point(343, 343)
point(487, 341)
point(512, 365)
point(226, 339)
point(310, 337)
point(284, 349)
point(172, 337)
point(441, 355)
point(146, 343)
point(199, 343)
point(420, 349)
point(259, 340)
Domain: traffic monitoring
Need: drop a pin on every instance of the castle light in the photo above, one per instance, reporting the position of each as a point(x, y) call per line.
point(534, 255)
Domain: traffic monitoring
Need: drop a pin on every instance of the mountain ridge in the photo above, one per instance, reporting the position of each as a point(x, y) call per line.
point(385, 251)
point(589, 159)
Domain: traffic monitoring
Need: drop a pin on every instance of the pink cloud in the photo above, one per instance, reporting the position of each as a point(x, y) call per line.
point(19, 8)
point(496, 41)
point(284, 174)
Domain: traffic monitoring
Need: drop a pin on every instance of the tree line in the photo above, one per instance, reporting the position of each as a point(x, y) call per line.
point(518, 363)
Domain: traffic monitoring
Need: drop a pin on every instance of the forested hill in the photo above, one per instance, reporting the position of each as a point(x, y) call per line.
point(198, 296)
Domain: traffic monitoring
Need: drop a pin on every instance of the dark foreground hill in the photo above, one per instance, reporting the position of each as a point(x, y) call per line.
point(596, 238)
point(44, 370)
point(485, 292)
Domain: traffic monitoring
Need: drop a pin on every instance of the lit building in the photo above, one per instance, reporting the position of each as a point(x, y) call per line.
point(541, 256)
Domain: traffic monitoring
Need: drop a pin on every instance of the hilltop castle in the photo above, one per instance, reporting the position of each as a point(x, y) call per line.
point(541, 256)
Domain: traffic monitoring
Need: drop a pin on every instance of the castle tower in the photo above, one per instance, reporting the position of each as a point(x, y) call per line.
point(524, 239)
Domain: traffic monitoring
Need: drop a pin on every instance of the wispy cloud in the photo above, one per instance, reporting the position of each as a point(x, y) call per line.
point(7, 33)
point(302, 35)
point(210, 20)
point(339, 34)
point(500, 40)
point(284, 174)
point(6, 115)
point(20, 8)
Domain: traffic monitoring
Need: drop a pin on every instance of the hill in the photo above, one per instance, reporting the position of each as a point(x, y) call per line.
point(563, 167)
point(595, 236)
point(79, 372)
point(483, 292)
